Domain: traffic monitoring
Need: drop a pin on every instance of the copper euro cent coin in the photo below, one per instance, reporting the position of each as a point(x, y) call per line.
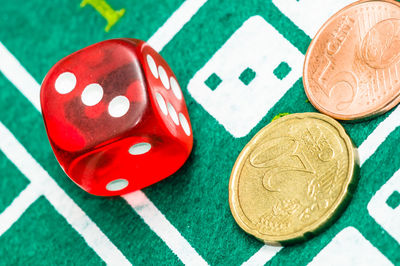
point(352, 66)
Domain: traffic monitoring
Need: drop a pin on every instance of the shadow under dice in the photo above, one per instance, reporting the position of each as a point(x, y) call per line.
point(116, 117)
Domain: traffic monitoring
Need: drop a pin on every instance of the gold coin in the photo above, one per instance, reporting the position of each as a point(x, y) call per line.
point(293, 178)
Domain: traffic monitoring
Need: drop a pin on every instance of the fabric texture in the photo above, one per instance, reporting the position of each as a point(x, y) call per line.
point(194, 201)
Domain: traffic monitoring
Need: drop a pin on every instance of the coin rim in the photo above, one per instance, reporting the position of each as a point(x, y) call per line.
point(328, 217)
point(382, 108)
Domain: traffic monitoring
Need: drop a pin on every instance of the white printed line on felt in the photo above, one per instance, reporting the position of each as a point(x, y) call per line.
point(18, 76)
point(350, 247)
point(309, 15)
point(156, 225)
point(74, 215)
point(17, 207)
point(381, 132)
point(174, 24)
point(163, 228)
point(262, 256)
point(385, 214)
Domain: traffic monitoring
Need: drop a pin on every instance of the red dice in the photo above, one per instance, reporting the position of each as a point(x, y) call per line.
point(116, 117)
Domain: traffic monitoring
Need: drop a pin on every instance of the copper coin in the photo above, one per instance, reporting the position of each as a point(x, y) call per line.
point(352, 67)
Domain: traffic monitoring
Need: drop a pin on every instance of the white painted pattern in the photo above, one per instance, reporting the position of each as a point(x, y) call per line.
point(383, 214)
point(163, 77)
point(163, 228)
point(140, 148)
point(152, 65)
point(349, 247)
point(65, 83)
point(184, 124)
point(118, 184)
point(18, 76)
point(175, 88)
point(73, 214)
point(310, 15)
point(172, 113)
point(161, 103)
point(262, 256)
point(92, 94)
point(118, 106)
point(174, 23)
point(236, 106)
point(19, 205)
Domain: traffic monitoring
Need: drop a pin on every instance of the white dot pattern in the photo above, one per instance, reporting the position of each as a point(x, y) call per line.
point(92, 94)
point(65, 83)
point(163, 77)
point(140, 148)
point(172, 113)
point(118, 106)
point(161, 103)
point(185, 124)
point(152, 65)
point(175, 88)
point(116, 185)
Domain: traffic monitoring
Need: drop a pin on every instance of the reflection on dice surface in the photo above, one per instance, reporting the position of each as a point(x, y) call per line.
point(115, 117)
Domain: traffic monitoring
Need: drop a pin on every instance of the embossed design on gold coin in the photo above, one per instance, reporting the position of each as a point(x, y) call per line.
point(352, 67)
point(293, 178)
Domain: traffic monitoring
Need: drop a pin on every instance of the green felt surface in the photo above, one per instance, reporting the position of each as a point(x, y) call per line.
point(195, 199)
point(48, 246)
point(12, 182)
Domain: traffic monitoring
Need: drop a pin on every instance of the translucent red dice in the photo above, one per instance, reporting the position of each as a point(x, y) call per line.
point(116, 117)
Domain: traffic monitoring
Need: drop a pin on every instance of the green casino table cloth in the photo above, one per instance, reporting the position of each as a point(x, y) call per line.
point(239, 64)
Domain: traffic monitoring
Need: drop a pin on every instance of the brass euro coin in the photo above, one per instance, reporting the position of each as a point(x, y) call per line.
point(293, 179)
